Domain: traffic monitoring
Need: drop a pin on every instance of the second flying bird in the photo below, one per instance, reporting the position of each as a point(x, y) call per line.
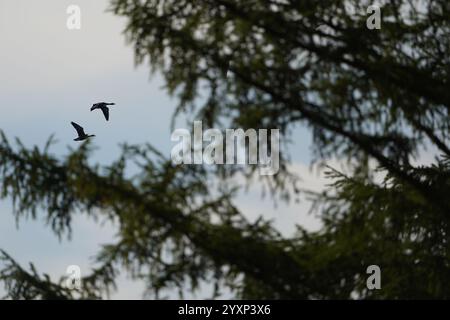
point(104, 107)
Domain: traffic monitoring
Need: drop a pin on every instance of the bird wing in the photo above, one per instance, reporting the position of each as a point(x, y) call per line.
point(79, 129)
point(105, 111)
point(94, 107)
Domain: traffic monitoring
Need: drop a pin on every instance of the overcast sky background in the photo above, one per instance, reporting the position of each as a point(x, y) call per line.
point(51, 76)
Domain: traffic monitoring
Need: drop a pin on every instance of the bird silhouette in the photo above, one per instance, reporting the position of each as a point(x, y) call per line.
point(81, 134)
point(104, 107)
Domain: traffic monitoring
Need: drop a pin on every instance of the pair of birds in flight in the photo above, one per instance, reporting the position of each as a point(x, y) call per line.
point(80, 131)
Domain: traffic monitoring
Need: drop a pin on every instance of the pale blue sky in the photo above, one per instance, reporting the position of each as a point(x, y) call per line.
point(51, 76)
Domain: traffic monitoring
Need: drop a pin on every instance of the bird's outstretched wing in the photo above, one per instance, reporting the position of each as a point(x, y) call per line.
point(79, 129)
point(105, 111)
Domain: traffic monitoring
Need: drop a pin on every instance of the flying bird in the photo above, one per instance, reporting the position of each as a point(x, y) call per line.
point(104, 107)
point(81, 134)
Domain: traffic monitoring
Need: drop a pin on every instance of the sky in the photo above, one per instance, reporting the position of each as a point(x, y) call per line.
point(50, 76)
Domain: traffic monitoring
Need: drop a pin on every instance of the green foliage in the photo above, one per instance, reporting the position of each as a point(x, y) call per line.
point(21, 284)
point(367, 95)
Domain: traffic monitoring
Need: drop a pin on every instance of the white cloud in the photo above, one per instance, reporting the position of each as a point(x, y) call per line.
point(38, 51)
